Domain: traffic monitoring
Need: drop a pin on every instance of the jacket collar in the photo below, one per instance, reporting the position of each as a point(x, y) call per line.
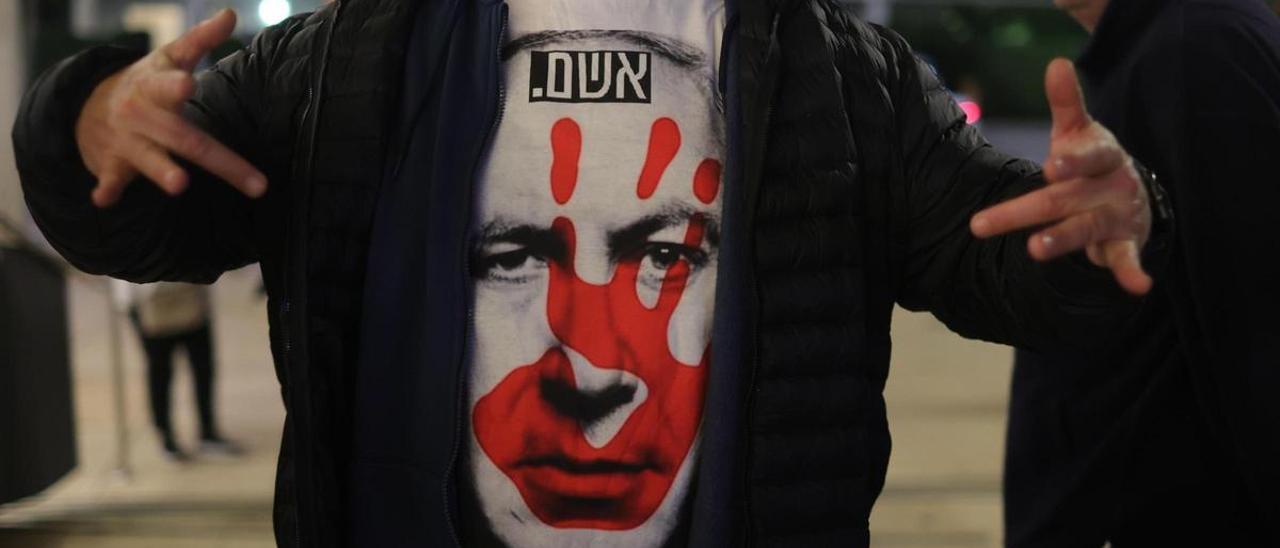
point(1122, 23)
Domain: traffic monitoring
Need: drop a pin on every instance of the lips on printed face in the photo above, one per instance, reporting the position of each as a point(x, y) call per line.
point(590, 453)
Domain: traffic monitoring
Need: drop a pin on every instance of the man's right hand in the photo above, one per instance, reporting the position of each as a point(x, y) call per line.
point(133, 122)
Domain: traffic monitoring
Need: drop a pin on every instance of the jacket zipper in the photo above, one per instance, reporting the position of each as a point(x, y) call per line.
point(284, 304)
point(307, 125)
point(461, 366)
point(771, 77)
point(287, 340)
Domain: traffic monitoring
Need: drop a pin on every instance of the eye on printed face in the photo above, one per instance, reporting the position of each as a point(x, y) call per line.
point(594, 275)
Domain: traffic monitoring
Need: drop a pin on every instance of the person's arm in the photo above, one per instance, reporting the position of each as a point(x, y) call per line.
point(1013, 285)
point(100, 167)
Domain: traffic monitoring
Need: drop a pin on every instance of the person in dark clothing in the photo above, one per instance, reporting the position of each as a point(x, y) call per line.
point(1169, 439)
point(159, 350)
point(499, 239)
point(169, 316)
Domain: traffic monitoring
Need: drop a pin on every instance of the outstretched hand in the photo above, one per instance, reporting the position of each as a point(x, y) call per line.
point(1094, 199)
point(132, 122)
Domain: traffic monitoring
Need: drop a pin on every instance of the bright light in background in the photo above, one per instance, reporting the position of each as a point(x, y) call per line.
point(271, 12)
point(972, 111)
point(162, 22)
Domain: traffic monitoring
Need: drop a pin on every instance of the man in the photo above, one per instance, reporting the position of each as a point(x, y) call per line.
point(582, 272)
point(1169, 438)
point(169, 316)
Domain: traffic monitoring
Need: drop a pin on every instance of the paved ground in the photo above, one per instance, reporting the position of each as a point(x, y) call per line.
point(946, 405)
point(207, 503)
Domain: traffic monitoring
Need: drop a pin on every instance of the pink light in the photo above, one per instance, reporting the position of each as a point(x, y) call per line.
point(972, 111)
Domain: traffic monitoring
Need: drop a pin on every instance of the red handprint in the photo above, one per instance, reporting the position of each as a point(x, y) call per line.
point(565, 479)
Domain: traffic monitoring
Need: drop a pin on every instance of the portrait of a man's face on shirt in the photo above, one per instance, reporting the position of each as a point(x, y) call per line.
point(594, 268)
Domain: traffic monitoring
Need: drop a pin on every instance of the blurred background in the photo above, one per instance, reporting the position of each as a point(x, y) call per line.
point(80, 464)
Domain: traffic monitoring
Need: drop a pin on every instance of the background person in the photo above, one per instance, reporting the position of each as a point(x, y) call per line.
point(168, 317)
point(1170, 438)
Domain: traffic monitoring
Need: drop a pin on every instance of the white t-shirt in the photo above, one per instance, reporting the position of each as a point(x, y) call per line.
point(594, 263)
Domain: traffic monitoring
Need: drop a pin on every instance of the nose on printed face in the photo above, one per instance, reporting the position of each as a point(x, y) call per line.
point(600, 400)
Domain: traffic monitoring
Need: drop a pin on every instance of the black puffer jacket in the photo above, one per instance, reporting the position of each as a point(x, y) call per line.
point(854, 179)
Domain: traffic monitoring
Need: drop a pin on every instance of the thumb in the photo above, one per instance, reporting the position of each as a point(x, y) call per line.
point(188, 49)
point(1066, 102)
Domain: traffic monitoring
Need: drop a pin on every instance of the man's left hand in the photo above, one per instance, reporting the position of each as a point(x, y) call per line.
point(1094, 199)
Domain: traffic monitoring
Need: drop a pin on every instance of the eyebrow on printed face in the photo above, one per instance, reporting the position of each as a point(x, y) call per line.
point(545, 242)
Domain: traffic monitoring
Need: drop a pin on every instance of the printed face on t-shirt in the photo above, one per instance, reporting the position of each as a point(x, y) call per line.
point(594, 271)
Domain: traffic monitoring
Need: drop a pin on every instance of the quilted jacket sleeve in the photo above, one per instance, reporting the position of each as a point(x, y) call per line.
point(988, 289)
point(147, 236)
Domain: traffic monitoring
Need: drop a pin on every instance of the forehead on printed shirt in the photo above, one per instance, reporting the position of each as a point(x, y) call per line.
point(608, 66)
